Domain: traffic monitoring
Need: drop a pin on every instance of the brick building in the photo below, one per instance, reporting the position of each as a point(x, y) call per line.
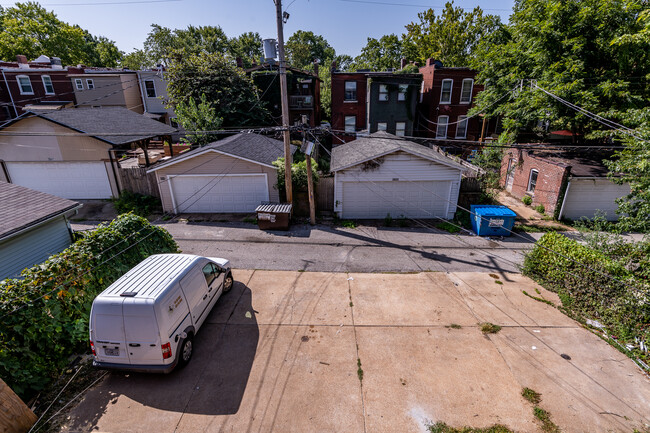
point(39, 84)
point(368, 102)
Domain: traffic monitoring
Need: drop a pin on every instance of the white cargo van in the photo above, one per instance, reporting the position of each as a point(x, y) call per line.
point(147, 319)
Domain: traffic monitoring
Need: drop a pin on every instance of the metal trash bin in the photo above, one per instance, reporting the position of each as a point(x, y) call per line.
point(489, 220)
point(273, 216)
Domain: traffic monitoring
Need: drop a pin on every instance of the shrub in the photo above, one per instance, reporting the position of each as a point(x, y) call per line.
point(139, 204)
point(298, 173)
point(388, 220)
point(540, 208)
point(44, 315)
point(527, 200)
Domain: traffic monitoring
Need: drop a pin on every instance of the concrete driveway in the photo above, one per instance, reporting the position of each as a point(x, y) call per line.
point(281, 353)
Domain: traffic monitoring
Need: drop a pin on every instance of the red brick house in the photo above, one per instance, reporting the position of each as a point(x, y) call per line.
point(39, 84)
point(446, 96)
point(569, 185)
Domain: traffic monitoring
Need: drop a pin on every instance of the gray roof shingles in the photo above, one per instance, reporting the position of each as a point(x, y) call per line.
point(381, 143)
point(102, 122)
point(23, 207)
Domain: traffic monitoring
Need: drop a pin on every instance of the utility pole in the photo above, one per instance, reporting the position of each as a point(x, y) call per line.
point(285, 102)
point(480, 140)
point(309, 150)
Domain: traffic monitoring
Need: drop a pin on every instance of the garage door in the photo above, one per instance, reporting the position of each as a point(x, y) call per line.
point(421, 199)
point(219, 194)
point(585, 196)
point(76, 180)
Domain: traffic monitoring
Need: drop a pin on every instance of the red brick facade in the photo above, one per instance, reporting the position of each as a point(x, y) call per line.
point(551, 178)
point(342, 108)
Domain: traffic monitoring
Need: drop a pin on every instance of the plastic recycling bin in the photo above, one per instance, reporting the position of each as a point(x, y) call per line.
point(490, 220)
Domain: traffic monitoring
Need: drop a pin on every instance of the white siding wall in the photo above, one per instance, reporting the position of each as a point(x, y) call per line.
point(404, 167)
point(33, 247)
point(585, 196)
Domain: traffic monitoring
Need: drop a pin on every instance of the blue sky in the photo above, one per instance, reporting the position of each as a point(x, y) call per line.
point(346, 24)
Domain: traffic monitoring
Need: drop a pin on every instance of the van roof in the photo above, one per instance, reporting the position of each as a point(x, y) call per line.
point(151, 276)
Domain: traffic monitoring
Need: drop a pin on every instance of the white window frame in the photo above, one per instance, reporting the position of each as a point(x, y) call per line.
point(351, 127)
point(471, 90)
point(345, 91)
point(79, 84)
point(440, 125)
point(403, 89)
point(400, 132)
point(442, 88)
point(383, 93)
point(382, 126)
point(48, 83)
point(20, 86)
point(90, 83)
point(153, 86)
point(461, 120)
point(530, 178)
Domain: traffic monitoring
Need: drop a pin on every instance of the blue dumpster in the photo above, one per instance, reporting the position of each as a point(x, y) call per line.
point(489, 220)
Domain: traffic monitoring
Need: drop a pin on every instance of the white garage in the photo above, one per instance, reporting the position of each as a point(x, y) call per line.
point(585, 197)
point(75, 180)
point(383, 174)
point(219, 194)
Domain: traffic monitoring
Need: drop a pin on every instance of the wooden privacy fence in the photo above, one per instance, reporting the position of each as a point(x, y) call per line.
point(136, 179)
point(471, 184)
point(325, 194)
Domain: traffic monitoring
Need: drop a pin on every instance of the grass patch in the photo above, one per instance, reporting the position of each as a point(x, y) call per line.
point(548, 426)
point(490, 328)
point(532, 396)
point(359, 370)
point(448, 227)
point(453, 326)
point(351, 304)
point(498, 282)
point(250, 220)
point(139, 204)
point(441, 427)
point(349, 224)
point(537, 298)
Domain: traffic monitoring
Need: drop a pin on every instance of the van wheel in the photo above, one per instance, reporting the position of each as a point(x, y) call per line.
point(227, 283)
point(186, 350)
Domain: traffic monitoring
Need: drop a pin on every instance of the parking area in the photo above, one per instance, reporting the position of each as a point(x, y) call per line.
point(289, 351)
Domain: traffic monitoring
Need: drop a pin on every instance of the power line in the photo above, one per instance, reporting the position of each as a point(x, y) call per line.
point(417, 5)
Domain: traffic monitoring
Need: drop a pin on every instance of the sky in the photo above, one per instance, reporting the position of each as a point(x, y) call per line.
point(346, 24)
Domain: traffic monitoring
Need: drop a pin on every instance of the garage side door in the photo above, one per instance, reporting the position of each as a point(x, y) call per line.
point(421, 199)
point(585, 196)
point(76, 180)
point(219, 194)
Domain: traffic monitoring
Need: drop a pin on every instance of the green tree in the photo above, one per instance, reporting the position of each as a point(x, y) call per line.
point(344, 63)
point(247, 46)
point(303, 48)
point(451, 37)
point(581, 51)
point(29, 29)
point(298, 173)
point(201, 117)
point(380, 54)
point(135, 60)
point(227, 89)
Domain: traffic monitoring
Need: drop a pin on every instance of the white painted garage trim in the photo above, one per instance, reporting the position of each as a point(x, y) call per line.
point(188, 157)
point(172, 176)
point(566, 194)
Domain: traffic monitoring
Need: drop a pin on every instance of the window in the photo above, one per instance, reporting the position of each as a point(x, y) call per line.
point(441, 130)
point(532, 180)
point(400, 129)
point(211, 273)
point(47, 84)
point(461, 127)
point(350, 123)
point(445, 91)
point(403, 88)
point(383, 92)
point(150, 89)
point(381, 126)
point(90, 84)
point(173, 122)
point(466, 91)
point(350, 91)
point(79, 84)
point(25, 85)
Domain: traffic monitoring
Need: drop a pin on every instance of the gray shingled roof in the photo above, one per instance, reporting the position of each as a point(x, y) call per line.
point(382, 143)
point(23, 207)
point(103, 122)
point(254, 147)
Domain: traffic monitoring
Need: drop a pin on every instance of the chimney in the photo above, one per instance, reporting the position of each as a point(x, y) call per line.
point(316, 67)
point(333, 68)
point(430, 61)
point(21, 59)
point(402, 63)
point(240, 63)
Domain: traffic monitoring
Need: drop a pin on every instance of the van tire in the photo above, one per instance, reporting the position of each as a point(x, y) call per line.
point(185, 351)
point(228, 282)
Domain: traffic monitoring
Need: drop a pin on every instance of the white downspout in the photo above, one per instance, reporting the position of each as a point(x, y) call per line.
point(144, 101)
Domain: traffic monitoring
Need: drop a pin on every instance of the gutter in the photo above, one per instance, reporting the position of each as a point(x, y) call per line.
point(65, 213)
point(9, 90)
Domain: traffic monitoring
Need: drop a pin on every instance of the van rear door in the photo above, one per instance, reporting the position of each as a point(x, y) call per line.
point(141, 331)
point(107, 331)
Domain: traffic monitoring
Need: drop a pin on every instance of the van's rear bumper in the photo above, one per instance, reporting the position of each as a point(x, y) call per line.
point(163, 369)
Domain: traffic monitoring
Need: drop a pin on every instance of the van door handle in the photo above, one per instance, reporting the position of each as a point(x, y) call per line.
point(205, 296)
point(134, 344)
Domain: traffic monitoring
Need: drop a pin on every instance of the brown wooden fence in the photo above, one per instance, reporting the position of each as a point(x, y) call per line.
point(325, 194)
point(137, 180)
